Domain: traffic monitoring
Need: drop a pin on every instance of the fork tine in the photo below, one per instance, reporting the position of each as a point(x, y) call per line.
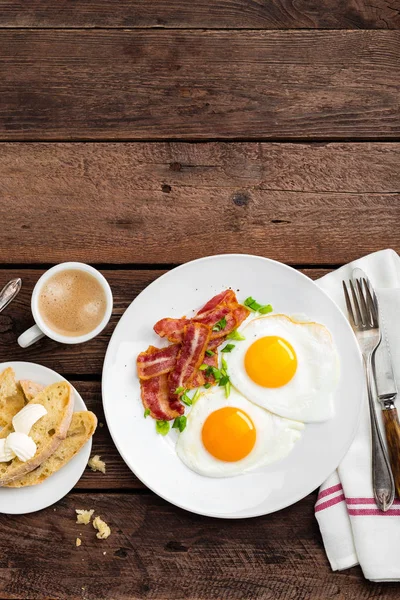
point(372, 304)
point(348, 304)
point(363, 305)
point(358, 320)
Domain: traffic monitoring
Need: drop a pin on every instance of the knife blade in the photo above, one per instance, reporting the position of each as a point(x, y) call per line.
point(382, 361)
point(386, 389)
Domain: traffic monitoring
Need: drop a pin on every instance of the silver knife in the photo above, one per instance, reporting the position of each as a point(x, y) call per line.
point(386, 389)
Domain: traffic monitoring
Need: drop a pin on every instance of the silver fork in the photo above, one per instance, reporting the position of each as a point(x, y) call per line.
point(364, 317)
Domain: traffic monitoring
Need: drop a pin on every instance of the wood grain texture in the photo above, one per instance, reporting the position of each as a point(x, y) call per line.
point(85, 359)
point(232, 14)
point(157, 551)
point(392, 430)
point(145, 84)
point(117, 476)
point(173, 202)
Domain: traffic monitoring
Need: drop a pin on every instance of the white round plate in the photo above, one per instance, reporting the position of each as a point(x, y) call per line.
point(19, 501)
point(152, 457)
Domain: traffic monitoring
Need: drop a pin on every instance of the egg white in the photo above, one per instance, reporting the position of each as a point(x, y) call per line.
point(275, 437)
point(309, 395)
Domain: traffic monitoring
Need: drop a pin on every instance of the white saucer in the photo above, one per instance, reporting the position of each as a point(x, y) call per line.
point(153, 457)
point(19, 501)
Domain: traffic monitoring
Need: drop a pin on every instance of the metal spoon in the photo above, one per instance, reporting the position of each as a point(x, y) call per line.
point(9, 291)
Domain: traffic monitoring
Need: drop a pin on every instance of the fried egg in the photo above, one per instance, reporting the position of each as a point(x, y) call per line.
point(230, 436)
point(286, 366)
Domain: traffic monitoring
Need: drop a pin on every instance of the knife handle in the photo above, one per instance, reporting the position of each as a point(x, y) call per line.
point(392, 429)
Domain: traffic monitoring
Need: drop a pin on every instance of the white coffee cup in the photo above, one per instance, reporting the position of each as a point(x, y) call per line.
point(35, 333)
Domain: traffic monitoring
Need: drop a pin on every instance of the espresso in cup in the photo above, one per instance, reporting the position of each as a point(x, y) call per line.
point(72, 302)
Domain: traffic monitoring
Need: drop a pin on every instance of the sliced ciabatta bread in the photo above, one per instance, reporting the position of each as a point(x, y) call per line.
point(30, 388)
point(11, 396)
point(47, 433)
point(83, 426)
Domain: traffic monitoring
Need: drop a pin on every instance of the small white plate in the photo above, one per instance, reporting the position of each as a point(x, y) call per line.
point(19, 501)
point(153, 458)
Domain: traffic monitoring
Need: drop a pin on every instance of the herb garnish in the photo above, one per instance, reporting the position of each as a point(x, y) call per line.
point(263, 309)
point(179, 423)
point(220, 325)
point(162, 427)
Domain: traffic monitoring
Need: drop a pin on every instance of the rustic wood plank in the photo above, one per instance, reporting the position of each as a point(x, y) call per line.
point(157, 551)
point(69, 359)
point(173, 202)
point(117, 476)
point(146, 84)
point(232, 14)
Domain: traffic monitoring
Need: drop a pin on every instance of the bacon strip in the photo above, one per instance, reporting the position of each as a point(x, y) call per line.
point(200, 378)
point(240, 313)
point(194, 344)
point(172, 329)
point(225, 297)
point(224, 305)
point(156, 361)
point(155, 397)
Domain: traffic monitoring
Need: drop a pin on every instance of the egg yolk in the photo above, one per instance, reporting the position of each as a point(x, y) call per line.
point(270, 362)
point(229, 434)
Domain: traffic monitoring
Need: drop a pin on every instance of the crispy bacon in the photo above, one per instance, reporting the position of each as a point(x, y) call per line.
point(200, 378)
point(240, 313)
point(225, 297)
point(172, 329)
point(156, 361)
point(213, 344)
point(155, 397)
point(191, 355)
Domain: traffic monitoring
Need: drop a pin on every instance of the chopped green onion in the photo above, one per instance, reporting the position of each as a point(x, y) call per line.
point(227, 389)
point(179, 423)
point(146, 412)
point(207, 385)
point(203, 367)
point(210, 353)
point(220, 325)
point(186, 400)
point(253, 305)
point(216, 372)
point(179, 390)
point(224, 364)
point(264, 310)
point(228, 348)
point(195, 397)
point(223, 381)
point(235, 335)
point(162, 427)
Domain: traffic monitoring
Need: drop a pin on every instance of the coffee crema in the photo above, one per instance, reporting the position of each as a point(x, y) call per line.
point(72, 302)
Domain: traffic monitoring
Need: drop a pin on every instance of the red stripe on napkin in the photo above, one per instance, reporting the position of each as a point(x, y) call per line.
point(329, 490)
point(329, 503)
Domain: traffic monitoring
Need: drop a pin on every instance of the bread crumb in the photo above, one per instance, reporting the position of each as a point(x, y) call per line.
point(103, 530)
point(101, 424)
point(104, 552)
point(78, 542)
point(83, 516)
point(96, 464)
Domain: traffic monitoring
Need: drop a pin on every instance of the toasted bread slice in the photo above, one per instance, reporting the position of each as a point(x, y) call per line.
point(11, 396)
point(47, 433)
point(30, 389)
point(83, 426)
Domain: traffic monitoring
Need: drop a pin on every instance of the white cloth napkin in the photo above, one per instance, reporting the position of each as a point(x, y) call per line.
point(353, 529)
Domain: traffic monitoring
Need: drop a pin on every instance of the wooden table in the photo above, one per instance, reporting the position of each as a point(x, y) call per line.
point(139, 134)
